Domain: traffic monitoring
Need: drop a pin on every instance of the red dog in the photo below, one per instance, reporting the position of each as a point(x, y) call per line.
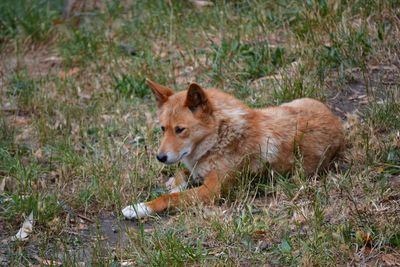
point(213, 133)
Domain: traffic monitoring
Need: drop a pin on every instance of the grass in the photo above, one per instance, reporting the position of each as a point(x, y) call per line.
point(78, 130)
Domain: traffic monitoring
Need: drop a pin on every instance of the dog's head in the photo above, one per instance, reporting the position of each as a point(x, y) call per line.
point(185, 119)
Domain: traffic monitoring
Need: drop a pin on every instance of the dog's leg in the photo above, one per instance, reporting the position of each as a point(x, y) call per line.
point(178, 183)
point(206, 193)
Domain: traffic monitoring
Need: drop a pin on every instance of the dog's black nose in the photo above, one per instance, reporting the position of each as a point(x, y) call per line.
point(162, 157)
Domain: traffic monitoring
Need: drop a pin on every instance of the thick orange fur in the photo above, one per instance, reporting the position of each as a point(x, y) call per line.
point(215, 134)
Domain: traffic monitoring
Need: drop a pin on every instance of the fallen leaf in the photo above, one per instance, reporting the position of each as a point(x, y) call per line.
point(57, 22)
point(84, 218)
point(26, 135)
point(71, 7)
point(299, 218)
point(42, 183)
point(107, 118)
point(82, 94)
point(137, 140)
point(46, 262)
point(82, 226)
point(149, 230)
point(202, 3)
point(51, 263)
point(363, 237)
point(380, 170)
point(25, 230)
point(128, 263)
point(21, 120)
point(9, 107)
point(65, 74)
point(3, 185)
point(55, 225)
point(39, 154)
point(259, 234)
point(52, 59)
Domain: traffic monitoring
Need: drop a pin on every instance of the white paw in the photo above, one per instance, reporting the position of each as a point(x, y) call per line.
point(179, 188)
point(170, 183)
point(137, 211)
point(173, 188)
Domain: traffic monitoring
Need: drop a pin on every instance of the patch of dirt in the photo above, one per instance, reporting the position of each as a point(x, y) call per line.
point(348, 101)
point(38, 63)
point(114, 232)
point(3, 254)
point(103, 236)
point(360, 91)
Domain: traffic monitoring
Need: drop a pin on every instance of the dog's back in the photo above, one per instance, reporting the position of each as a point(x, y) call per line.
point(305, 128)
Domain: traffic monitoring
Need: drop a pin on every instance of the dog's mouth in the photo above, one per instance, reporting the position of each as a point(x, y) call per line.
point(178, 159)
point(183, 154)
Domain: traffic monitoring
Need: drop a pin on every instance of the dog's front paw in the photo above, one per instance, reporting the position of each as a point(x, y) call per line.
point(179, 188)
point(137, 211)
point(174, 186)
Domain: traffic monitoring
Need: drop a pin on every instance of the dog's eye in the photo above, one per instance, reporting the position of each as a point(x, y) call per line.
point(163, 128)
point(178, 129)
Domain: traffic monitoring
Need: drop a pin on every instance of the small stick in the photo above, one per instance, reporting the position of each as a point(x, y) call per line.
point(84, 218)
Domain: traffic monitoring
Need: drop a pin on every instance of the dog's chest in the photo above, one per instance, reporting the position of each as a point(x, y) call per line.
point(198, 169)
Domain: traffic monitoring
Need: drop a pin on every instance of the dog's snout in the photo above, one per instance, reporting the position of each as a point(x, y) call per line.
point(162, 157)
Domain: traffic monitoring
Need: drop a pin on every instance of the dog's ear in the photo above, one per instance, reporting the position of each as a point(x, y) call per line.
point(161, 92)
point(196, 98)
